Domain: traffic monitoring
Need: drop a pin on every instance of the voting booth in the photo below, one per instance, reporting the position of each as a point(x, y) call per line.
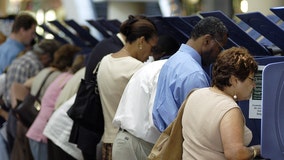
point(264, 26)
point(272, 133)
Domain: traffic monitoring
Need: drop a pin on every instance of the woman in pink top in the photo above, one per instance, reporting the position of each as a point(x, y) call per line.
point(63, 60)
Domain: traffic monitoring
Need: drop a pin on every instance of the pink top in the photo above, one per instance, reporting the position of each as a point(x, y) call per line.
point(35, 132)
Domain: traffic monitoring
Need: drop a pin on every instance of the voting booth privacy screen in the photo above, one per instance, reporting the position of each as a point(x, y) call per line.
point(272, 133)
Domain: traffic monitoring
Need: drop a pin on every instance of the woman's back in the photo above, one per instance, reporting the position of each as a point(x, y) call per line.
point(201, 132)
point(113, 76)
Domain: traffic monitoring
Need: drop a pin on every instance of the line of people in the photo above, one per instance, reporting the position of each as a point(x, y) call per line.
point(139, 99)
point(28, 64)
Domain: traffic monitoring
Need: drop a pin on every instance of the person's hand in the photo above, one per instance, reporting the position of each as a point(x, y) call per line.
point(256, 150)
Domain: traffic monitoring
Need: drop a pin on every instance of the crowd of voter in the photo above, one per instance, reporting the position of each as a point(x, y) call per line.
point(143, 79)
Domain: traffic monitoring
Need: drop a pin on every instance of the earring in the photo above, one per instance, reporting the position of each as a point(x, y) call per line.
point(235, 97)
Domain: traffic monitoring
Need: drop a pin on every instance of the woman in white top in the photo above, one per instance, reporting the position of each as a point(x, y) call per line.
point(116, 69)
point(213, 123)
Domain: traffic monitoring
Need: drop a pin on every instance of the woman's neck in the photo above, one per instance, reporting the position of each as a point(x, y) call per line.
point(226, 91)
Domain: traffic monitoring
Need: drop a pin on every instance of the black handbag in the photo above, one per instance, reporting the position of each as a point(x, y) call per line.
point(87, 108)
point(28, 109)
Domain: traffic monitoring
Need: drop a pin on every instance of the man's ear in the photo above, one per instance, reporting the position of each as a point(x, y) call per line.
point(207, 39)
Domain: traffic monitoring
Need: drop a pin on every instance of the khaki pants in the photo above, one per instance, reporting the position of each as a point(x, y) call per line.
point(128, 147)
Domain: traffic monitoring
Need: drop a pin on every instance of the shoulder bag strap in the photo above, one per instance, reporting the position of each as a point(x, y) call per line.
point(43, 82)
point(95, 78)
point(95, 72)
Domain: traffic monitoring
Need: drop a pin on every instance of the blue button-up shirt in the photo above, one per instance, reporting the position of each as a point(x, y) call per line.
point(8, 52)
point(180, 74)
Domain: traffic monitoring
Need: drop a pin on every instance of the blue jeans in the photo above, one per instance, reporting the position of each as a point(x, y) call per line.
point(39, 150)
point(3, 144)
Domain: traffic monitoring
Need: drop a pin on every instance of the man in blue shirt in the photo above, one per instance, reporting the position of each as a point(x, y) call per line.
point(184, 70)
point(22, 34)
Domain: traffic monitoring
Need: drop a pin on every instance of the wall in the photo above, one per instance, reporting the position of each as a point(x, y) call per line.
point(121, 10)
point(80, 11)
point(263, 6)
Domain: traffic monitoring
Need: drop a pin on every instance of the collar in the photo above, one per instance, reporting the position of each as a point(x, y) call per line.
point(120, 36)
point(189, 50)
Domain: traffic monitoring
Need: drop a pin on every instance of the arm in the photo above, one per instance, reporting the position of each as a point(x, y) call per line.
point(232, 135)
point(3, 113)
point(28, 83)
point(185, 84)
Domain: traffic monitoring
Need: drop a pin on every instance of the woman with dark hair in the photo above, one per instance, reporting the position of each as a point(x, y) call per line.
point(215, 128)
point(116, 69)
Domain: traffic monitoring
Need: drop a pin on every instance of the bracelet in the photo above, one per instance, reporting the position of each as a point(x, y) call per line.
point(254, 151)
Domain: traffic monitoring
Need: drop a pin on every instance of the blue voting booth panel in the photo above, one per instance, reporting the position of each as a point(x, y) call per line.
point(243, 25)
point(255, 124)
point(180, 25)
point(165, 28)
point(76, 40)
point(111, 26)
point(115, 23)
point(56, 36)
point(99, 28)
point(274, 18)
point(278, 11)
point(238, 35)
point(272, 132)
point(254, 34)
point(264, 26)
point(83, 33)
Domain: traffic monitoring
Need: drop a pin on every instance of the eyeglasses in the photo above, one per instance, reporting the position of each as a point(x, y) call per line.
point(220, 46)
point(252, 79)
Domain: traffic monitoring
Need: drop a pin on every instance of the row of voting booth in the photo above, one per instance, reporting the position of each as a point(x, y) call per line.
point(262, 35)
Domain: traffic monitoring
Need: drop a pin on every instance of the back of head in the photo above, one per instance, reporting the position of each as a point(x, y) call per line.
point(137, 26)
point(23, 20)
point(64, 56)
point(78, 63)
point(46, 46)
point(235, 61)
point(209, 25)
point(165, 47)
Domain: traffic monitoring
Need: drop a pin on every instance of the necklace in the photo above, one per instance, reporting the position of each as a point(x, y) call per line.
point(126, 52)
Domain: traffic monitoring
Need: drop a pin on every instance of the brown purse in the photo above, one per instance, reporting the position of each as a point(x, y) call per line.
point(27, 108)
point(169, 144)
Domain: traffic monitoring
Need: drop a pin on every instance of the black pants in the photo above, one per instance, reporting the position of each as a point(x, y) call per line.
point(88, 156)
point(56, 153)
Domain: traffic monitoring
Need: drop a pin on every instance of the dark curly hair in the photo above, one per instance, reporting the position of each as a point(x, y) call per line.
point(209, 25)
point(235, 61)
